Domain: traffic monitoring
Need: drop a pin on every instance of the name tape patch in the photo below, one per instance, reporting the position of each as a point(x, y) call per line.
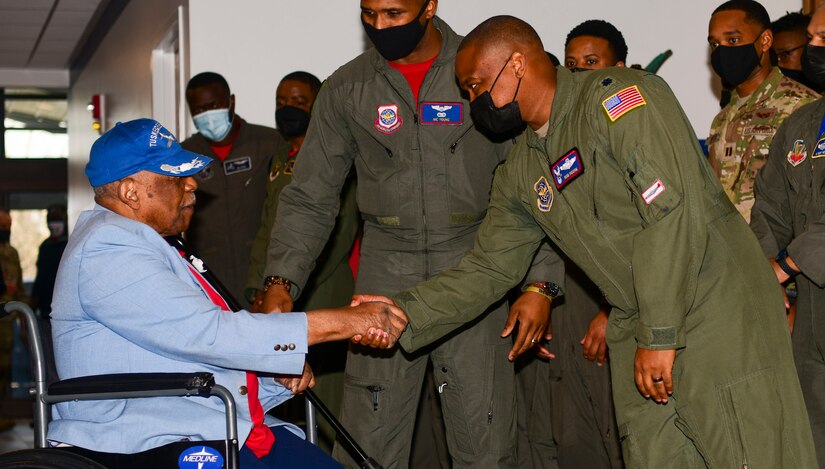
point(238, 165)
point(819, 151)
point(623, 102)
point(442, 113)
point(655, 190)
point(567, 168)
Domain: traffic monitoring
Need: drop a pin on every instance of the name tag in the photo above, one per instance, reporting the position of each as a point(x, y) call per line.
point(442, 113)
point(238, 165)
point(567, 168)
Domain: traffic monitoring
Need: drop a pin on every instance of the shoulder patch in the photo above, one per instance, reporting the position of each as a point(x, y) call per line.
point(798, 153)
point(545, 193)
point(623, 102)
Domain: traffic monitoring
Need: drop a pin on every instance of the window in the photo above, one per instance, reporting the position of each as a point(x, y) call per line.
point(34, 123)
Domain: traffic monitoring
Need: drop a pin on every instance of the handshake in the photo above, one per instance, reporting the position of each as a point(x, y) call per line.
point(373, 321)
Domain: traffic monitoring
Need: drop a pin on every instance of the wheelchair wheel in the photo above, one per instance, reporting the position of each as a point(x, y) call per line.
point(46, 459)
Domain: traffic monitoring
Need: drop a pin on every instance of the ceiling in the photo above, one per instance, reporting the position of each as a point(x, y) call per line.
point(44, 33)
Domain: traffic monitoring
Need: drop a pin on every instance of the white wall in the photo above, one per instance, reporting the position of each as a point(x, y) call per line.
point(256, 42)
point(120, 69)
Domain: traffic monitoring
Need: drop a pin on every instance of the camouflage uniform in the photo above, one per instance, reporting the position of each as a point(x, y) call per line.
point(741, 134)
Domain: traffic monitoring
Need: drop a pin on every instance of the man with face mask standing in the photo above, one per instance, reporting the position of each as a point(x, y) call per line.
point(424, 174)
point(787, 220)
point(232, 190)
point(610, 169)
point(740, 39)
point(331, 283)
point(790, 36)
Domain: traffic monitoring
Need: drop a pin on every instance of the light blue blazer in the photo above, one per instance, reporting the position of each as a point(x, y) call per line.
point(126, 302)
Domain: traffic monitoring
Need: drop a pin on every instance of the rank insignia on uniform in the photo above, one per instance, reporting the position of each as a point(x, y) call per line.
point(623, 102)
point(276, 170)
point(607, 81)
point(545, 193)
point(798, 153)
point(567, 168)
point(290, 167)
point(819, 151)
point(441, 113)
point(388, 120)
point(238, 165)
point(655, 190)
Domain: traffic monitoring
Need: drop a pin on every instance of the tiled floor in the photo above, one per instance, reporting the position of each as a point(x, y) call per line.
point(19, 437)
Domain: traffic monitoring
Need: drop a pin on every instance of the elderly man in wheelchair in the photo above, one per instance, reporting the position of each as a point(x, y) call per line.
point(126, 301)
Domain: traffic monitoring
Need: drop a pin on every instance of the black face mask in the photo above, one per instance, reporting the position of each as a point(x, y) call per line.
point(813, 65)
point(398, 41)
point(292, 121)
point(5, 235)
point(579, 69)
point(734, 64)
point(497, 120)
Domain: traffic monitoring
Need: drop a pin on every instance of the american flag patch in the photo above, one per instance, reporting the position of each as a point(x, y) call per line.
point(625, 100)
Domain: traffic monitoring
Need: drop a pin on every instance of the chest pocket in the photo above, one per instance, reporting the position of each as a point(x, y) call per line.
point(653, 193)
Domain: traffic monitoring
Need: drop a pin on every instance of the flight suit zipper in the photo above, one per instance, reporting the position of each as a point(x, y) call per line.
point(458, 140)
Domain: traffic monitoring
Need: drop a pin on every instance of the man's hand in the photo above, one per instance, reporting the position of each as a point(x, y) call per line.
point(358, 299)
point(781, 276)
point(257, 302)
point(594, 346)
point(532, 312)
point(276, 300)
point(297, 384)
point(653, 370)
point(375, 324)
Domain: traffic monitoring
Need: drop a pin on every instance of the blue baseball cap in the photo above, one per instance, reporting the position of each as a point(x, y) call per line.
point(140, 145)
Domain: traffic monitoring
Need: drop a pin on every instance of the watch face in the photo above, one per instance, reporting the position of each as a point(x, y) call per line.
point(553, 289)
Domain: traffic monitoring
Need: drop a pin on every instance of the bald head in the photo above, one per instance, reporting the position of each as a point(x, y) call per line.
point(503, 33)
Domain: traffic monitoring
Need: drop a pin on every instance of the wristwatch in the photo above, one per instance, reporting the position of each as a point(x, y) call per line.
point(277, 280)
point(548, 289)
point(782, 260)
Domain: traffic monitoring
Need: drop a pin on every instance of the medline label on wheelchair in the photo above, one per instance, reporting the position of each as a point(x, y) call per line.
point(206, 458)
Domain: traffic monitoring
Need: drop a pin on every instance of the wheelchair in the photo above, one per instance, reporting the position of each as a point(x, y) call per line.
point(183, 454)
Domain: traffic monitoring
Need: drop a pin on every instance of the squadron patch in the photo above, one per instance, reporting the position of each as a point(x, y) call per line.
point(276, 170)
point(798, 153)
point(388, 120)
point(567, 168)
point(290, 167)
point(545, 193)
point(238, 165)
point(441, 113)
point(819, 151)
point(623, 102)
point(655, 190)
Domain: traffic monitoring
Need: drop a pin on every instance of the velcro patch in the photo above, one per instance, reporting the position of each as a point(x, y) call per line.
point(388, 120)
point(623, 102)
point(567, 168)
point(819, 151)
point(798, 153)
point(238, 165)
point(441, 113)
point(545, 200)
point(655, 190)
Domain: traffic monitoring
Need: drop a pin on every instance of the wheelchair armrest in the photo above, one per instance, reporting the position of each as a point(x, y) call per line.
point(197, 383)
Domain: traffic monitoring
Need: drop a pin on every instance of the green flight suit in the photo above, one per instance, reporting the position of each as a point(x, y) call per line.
point(644, 216)
point(424, 175)
point(789, 213)
point(330, 285)
point(231, 195)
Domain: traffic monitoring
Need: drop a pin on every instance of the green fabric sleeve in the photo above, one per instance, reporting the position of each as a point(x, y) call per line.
point(655, 145)
point(505, 244)
point(771, 217)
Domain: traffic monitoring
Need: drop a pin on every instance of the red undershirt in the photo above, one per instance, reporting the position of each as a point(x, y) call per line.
point(261, 438)
point(222, 151)
point(414, 73)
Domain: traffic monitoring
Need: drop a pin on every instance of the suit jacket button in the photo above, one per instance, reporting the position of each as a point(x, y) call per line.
point(243, 390)
point(292, 346)
point(277, 347)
